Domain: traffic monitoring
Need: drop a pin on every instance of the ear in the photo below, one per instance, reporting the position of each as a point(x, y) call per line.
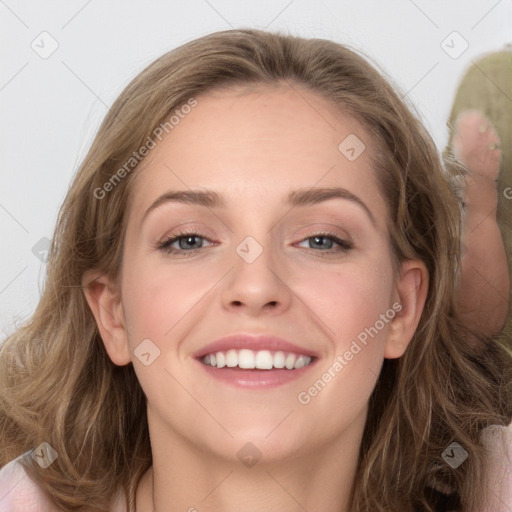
point(410, 292)
point(104, 299)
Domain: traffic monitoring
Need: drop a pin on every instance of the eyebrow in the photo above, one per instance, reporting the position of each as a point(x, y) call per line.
point(299, 197)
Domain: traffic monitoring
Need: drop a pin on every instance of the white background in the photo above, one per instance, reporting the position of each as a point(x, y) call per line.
point(51, 107)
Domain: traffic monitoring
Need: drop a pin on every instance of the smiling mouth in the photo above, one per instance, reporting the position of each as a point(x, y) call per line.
point(246, 359)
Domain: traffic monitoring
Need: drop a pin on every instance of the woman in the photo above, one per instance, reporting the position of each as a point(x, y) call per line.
point(307, 353)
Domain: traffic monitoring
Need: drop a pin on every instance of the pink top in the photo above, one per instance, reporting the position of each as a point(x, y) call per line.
point(18, 493)
point(499, 468)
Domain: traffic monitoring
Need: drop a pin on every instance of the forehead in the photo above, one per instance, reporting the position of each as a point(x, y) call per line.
point(259, 141)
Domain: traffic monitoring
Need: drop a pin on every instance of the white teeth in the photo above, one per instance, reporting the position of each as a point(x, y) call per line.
point(290, 361)
point(231, 358)
point(245, 359)
point(300, 363)
point(264, 360)
point(261, 359)
point(221, 360)
point(279, 360)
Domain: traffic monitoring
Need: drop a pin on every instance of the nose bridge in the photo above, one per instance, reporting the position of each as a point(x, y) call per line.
point(254, 234)
point(254, 281)
point(250, 249)
point(254, 259)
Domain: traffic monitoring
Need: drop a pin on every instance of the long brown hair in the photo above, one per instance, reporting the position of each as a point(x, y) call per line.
point(58, 385)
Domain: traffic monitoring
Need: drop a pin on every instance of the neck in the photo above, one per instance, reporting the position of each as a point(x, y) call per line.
point(189, 478)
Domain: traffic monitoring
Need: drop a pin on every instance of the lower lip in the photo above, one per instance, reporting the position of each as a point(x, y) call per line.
point(256, 379)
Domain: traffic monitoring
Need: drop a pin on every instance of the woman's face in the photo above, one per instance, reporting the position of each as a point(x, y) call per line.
point(260, 263)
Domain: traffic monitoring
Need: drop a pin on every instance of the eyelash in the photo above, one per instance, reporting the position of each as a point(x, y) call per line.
point(164, 246)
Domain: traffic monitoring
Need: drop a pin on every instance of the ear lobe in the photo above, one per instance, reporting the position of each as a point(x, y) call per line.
point(104, 299)
point(411, 293)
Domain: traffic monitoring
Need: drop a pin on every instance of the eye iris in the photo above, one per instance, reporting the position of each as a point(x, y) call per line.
point(316, 238)
point(186, 240)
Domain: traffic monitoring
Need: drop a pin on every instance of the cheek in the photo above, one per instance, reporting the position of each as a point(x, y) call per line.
point(349, 299)
point(159, 296)
point(351, 304)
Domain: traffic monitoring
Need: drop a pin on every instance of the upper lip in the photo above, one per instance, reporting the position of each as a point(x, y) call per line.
point(253, 342)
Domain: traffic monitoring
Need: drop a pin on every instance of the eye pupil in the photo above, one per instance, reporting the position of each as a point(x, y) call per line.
point(187, 241)
point(316, 238)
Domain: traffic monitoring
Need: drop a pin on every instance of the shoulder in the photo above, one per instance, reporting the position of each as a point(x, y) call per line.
point(18, 492)
point(498, 441)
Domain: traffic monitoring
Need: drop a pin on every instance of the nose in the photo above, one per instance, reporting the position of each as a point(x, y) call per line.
point(257, 283)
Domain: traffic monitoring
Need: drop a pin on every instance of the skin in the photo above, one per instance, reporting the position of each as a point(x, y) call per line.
point(254, 146)
point(483, 290)
point(482, 293)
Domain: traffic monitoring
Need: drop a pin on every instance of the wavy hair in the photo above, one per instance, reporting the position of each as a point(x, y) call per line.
point(58, 385)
